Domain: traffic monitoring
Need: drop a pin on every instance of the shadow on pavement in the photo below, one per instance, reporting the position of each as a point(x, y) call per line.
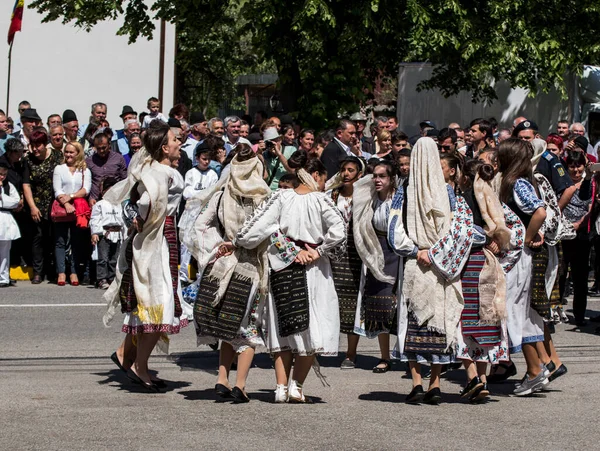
point(394, 397)
point(120, 378)
point(209, 361)
point(209, 394)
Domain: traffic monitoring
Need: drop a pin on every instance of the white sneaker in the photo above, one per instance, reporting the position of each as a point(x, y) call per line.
point(295, 394)
point(281, 393)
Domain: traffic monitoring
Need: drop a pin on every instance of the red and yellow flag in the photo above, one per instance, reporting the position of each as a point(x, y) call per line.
point(16, 20)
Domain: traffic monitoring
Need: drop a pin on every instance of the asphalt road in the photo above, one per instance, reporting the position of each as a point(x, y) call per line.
point(59, 390)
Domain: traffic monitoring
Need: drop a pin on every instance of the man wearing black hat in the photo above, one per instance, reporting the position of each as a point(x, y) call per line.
point(526, 130)
point(71, 125)
point(29, 120)
point(198, 126)
point(127, 114)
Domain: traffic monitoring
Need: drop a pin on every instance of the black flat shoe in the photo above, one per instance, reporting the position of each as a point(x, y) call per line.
point(474, 386)
point(558, 372)
point(159, 383)
point(137, 380)
point(433, 396)
point(416, 395)
point(223, 391)
point(509, 371)
point(480, 394)
point(239, 396)
point(115, 360)
point(384, 369)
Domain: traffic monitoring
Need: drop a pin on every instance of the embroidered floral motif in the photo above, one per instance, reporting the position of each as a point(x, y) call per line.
point(286, 248)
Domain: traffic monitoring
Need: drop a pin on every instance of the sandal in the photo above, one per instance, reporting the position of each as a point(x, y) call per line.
point(382, 369)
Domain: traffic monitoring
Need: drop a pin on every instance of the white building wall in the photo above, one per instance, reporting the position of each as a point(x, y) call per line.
point(56, 66)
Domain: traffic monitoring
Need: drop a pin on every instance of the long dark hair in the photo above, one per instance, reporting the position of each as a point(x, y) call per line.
point(514, 162)
point(300, 160)
point(157, 135)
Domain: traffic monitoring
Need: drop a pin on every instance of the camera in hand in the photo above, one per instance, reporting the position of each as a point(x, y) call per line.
point(270, 145)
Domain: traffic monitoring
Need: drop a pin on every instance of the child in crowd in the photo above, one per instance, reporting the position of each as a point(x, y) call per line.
point(9, 230)
point(154, 108)
point(288, 181)
point(198, 178)
point(108, 231)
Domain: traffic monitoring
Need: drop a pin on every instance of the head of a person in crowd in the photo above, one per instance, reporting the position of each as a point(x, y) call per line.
point(494, 124)
point(74, 155)
point(38, 140)
point(577, 128)
point(473, 168)
point(489, 156)
point(244, 129)
point(392, 123)
point(306, 139)
point(99, 112)
point(317, 149)
point(384, 178)
point(400, 141)
point(14, 149)
point(199, 126)
point(10, 125)
point(447, 140)
point(102, 145)
point(526, 130)
point(203, 153)
point(179, 111)
point(135, 142)
point(504, 133)
point(275, 122)
point(105, 124)
point(3, 123)
point(384, 142)
point(57, 136)
point(216, 147)
point(162, 145)
point(554, 144)
point(288, 134)
point(70, 124)
point(130, 127)
point(107, 183)
point(90, 130)
point(128, 114)
point(153, 105)
point(380, 123)
point(579, 144)
point(215, 125)
point(433, 133)
point(360, 122)
point(345, 132)
point(259, 117)
point(576, 163)
point(272, 139)
point(313, 166)
point(479, 131)
point(288, 181)
point(232, 128)
point(327, 135)
point(450, 168)
point(460, 132)
point(351, 169)
point(185, 130)
point(257, 141)
point(176, 129)
point(403, 160)
point(29, 120)
point(514, 162)
point(562, 129)
point(54, 120)
point(518, 120)
point(24, 105)
point(425, 126)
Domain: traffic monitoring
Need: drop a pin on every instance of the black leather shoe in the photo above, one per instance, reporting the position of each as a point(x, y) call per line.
point(416, 395)
point(560, 371)
point(382, 369)
point(223, 391)
point(36, 280)
point(480, 394)
point(472, 387)
point(509, 370)
point(239, 396)
point(115, 360)
point(433, 396)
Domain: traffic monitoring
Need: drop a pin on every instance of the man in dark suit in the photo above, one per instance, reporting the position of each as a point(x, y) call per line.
point(339, 148)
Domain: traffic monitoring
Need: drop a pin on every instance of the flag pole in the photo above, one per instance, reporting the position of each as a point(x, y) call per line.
point(8, 80)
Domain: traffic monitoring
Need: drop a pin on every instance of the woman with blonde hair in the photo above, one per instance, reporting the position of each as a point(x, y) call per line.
point(71, 182)
point(383, 145)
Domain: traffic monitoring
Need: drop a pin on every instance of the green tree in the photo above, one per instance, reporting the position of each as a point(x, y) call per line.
point(327, 53)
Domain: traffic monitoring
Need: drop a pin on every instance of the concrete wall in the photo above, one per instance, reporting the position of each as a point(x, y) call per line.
point(56, 66)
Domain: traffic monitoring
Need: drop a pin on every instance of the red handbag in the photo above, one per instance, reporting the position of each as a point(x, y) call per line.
point(59, 214)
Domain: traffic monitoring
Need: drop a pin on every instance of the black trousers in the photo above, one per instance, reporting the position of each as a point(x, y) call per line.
point(108, 252)
point(576, 253)
point(42, 249)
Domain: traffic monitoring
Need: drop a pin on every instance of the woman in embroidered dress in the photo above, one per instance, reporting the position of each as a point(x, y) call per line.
point(483, 339)
point(302, 314)
point(525, 325)
point(229, 296)
point(432, 299)
point(347, 270)
point(146, 284)
point(381, 241)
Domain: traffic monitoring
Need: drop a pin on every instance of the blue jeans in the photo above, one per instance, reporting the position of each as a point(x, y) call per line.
point(68, 235)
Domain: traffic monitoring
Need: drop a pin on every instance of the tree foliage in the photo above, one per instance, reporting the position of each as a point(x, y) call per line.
point(328, 53)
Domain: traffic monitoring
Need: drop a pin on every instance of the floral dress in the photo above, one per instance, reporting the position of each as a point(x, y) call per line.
point(38, 174)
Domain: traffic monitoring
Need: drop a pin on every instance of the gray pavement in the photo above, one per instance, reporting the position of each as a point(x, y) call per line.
point(59, 390)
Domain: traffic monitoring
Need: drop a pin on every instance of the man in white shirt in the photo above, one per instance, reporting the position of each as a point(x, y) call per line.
point(232, 133)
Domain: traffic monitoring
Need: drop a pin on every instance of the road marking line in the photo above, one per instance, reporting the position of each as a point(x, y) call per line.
point(51, 305)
